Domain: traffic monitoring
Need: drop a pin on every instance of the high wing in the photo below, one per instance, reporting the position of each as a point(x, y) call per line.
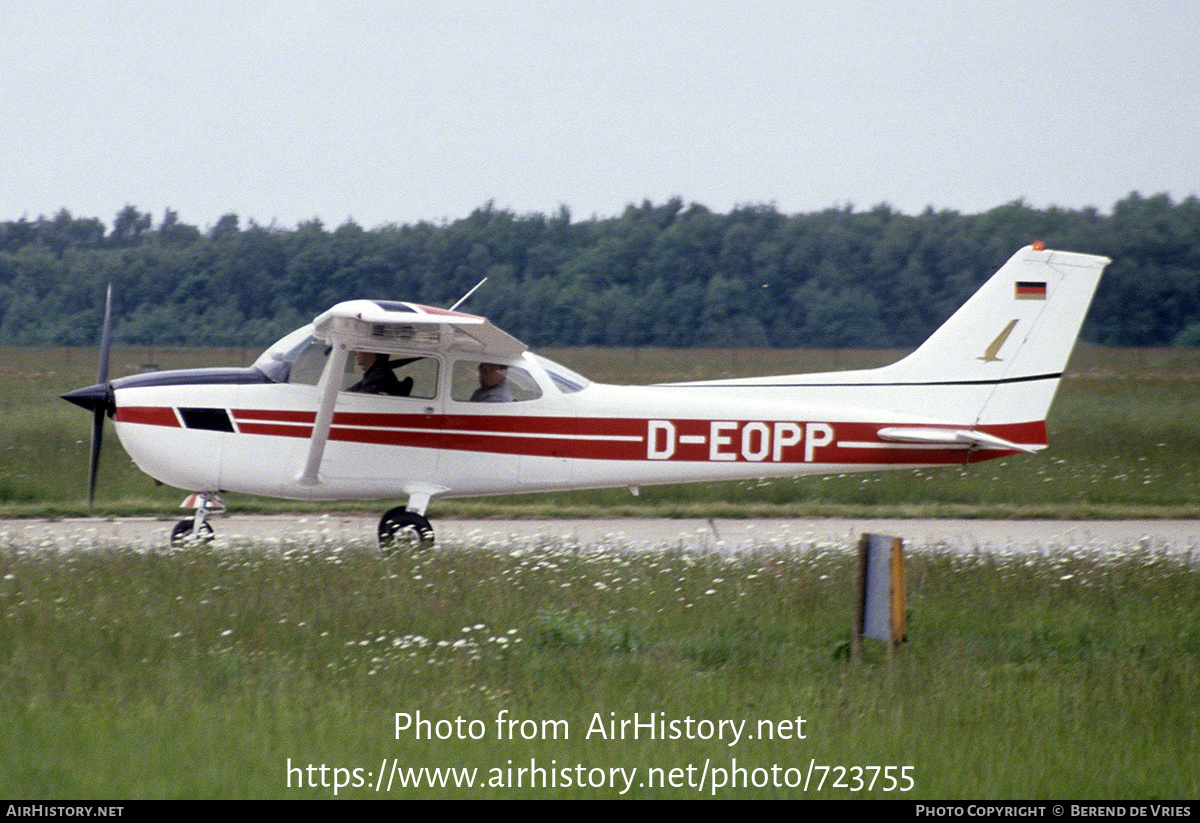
point(391, 327)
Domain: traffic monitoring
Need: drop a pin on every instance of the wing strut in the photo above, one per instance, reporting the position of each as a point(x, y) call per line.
point(331, 384)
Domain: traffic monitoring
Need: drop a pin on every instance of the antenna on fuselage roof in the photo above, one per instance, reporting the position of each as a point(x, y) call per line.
point(463, 299)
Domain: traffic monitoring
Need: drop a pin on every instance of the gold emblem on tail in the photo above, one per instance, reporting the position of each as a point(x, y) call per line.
point(989, 354)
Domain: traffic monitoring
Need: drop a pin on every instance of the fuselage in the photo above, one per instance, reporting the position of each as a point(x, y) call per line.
point(247, 433)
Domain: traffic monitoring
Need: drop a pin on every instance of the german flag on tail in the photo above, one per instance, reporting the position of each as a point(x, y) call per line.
point(1031, 290)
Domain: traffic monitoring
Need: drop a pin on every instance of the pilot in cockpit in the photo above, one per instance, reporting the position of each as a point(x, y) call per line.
point(378, 377)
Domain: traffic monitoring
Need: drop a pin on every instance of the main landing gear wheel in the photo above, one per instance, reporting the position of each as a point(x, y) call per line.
point(400, 529)
point(185, 533)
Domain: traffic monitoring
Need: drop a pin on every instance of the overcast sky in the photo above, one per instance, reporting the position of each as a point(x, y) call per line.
point(389, 112)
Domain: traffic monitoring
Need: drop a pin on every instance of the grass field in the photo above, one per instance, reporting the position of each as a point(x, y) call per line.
point(277, 671)
point(1124, 442)
point(207, 672)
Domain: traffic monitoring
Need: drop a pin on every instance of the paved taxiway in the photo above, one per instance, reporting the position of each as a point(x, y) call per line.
point(994, 536)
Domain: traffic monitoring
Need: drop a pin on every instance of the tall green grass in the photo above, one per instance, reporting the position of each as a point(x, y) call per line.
point(1073, 673)
point(1124, 440)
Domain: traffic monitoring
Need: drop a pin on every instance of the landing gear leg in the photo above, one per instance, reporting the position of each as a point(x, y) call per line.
point(196, 529)
point(401, 530)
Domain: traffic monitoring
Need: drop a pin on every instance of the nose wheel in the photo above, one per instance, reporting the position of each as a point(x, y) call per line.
point(401, 530)
point(196, 529)
point(185, 533)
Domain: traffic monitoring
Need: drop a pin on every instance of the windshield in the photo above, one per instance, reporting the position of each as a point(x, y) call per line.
point(276, 362)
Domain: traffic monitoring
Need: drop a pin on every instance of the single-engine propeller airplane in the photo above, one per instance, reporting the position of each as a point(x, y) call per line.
point(450, 405)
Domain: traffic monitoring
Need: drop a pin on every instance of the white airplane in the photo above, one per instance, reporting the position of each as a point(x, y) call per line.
point(294, 425)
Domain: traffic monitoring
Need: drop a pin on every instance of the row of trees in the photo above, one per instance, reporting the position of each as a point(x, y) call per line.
point(667, 275)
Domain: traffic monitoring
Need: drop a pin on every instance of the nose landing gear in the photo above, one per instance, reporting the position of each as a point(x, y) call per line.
point(196, 529)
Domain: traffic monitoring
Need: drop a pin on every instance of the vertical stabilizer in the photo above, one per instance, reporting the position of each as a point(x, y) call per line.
point(1013, 336)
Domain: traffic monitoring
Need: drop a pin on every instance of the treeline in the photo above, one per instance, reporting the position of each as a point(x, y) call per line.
point(666, 275)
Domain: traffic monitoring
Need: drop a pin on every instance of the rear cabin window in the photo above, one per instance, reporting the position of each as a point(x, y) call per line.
point(564, 379)
point(482, 382)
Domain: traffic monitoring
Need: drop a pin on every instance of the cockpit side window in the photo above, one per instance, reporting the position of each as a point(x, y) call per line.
point(416, 376)
point(424, 374)
point(301, 358)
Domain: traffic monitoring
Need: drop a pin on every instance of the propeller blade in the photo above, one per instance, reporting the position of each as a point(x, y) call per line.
point(105, 338)
point(99, 411)
point(94, 463)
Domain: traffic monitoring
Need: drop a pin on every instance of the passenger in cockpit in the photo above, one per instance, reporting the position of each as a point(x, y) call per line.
point(492, 388)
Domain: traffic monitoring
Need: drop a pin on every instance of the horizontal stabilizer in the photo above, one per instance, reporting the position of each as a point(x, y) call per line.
point(964, 438)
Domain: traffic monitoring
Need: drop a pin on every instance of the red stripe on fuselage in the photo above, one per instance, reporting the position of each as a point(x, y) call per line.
point(611, 438)
point(275, 415)
point(615, 426)
point(149, 415)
